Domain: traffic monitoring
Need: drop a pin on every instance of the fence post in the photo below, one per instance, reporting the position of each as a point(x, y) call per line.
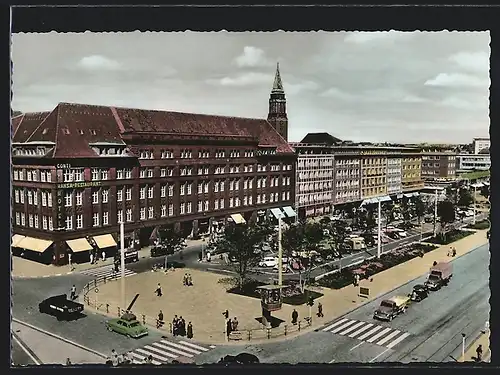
point(285, 329)
point(143, 319)
point(299, 325)
point(104, 280)
point(107, 308)
point(269, 333)
point(119, 311)
point(249, 335)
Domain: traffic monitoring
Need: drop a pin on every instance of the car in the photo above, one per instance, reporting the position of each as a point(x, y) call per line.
point(268, 262)
point(127, 325)
point(241, 359)
point(401, 233)
point(131, 255)
point(61, 307)
point(419, 293)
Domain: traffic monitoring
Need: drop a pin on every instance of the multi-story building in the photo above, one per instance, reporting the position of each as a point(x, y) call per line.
point(471, 162)
point(347, 175)
point(373, 173)
point(479, 144)
point(411, 170)
point(80, 170)
point(394, 174)
point(438, 163)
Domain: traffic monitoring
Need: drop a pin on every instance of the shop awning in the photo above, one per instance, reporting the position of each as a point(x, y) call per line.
point(277, 213)
point(78, 245)
point(289, 211)
point(238, 219)
point(34, 244)
point(16, 238)
point(105, 240)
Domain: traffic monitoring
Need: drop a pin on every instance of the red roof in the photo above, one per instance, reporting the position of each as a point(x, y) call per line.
point(73, 126)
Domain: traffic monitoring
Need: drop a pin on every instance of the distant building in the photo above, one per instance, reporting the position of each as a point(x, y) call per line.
point(438, 163)
point(479, 144)
point(471, 162)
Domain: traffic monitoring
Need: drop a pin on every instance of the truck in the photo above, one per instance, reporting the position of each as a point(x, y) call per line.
point(439, 275)
point(392, 307)
point(60, 307)
point(356, 243)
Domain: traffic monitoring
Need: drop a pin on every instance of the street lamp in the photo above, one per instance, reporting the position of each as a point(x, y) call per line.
point(378, 200)
point(122, 262)
point(475, 186)
point(463, 347)
point(435, 210)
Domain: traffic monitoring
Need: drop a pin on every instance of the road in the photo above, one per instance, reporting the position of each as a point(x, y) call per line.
point(21, 354)
point(431, 329)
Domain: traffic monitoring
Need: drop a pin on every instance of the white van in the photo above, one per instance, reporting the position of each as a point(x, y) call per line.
point(268, 262)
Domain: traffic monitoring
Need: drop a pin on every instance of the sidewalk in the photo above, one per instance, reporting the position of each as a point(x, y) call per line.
point(203, 303)
point(470, 353)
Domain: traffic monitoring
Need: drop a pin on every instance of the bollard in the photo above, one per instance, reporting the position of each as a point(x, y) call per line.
point(268, 333)
point(107, 308)
point(285, 329)
point(299, 325)
point(104, 280)
point(143, 319)
point(118, 312)
point(249, 335)
point(95, 282)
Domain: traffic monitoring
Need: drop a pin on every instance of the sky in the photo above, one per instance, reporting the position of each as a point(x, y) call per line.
point(361, 86)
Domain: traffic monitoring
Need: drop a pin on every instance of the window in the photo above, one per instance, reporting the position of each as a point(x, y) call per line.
point(95, 174)
point(18, 219)
point(95, 196)
point(79, 221)
point(35, 177)
point(142, 193)
point(206, 205)
point(171, 190)
point(104, 174)
point(105, 195)
point(49, 199)
point(35, 198)
point(151, 212)
point(30, 197)
point(95, 219)
point(68, 199)
point(142, 173)
point(44, 222)
point(119, 194)
point(128, 194)
point(189, 188)
point(49, 179)
point(222, 183)
point(200, 187)
point(216, 204)
point(143, 213)
point(16, 194)
point(183, 208)
point(183, 189)
point(119, 216)
point(51, 223)
point(78, 175)
point(163, 211)
point(16, 175)
point(163, 191)
point(119, 174)
point(128, 172)
point(150, 192)
point(23, 219)
point(231, 185)
point(200, 206)
point(30, 220)
point(129, 214)
point(163, 172)
point(21, 175)
point(205, 187)
point(189, 207)
point(69, 222)
point(221, 205)
point(231, 202)
point(150, 172)
point(170, 210)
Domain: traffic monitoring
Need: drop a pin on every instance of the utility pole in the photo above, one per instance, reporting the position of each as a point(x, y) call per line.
point(474, 208)
point(435, 211)
point(280, 255)
point(379, 242)
point(122, 265)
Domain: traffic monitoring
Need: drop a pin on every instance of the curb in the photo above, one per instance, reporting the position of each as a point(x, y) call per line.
point(397, 287)
point(44, 276)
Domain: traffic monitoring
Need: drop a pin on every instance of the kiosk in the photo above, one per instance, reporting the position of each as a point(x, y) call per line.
point(271, 299)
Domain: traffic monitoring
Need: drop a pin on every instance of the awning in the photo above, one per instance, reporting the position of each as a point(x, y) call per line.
point(399, 196)
point(408, 195)
point(478, 185)
point(289, 211)
point(79, 244)
point(34, 244)
point(104, 240)
point(277, 213)
point(238, 219)
point(385, 198)
point(16, 238)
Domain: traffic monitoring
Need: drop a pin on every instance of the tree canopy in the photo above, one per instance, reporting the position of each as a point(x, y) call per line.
point(446, 213)
point(171, 240)
point(465, 197)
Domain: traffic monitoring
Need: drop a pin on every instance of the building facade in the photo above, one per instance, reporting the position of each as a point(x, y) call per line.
point(80, 170)
point(394, 175)
point(479, 144)
point(471, 162)
point(411, 171)
point(438, 163)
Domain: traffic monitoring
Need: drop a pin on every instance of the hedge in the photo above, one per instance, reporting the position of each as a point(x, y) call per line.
point(451, 236)
point(483, 224)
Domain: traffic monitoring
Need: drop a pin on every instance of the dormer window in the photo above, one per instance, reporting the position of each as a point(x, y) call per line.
point(80, 131)
point(93, 132)
point(66, 131)
point(44, 131)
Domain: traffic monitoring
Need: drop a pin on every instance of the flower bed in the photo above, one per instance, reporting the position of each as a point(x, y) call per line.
point(483, 224)
point(451, 236)
point(371, 267)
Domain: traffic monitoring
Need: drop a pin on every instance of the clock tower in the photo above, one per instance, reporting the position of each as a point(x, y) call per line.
point(277, 106)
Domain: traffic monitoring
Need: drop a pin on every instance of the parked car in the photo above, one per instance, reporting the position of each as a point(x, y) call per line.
point(241, 359)
point(401, 233)
point(392, 307)
point(439, 275)
point(419, 293)
point(268, 262)
point(127, 325)
point(60, 307)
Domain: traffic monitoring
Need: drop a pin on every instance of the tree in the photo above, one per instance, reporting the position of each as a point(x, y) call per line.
point(303, 240)
point(243, 243)
point(171, 240)
point(485, 191)
point(388, 210)
point(446, 214)
point(335, 236)
point(420, 208)
point(465, 198)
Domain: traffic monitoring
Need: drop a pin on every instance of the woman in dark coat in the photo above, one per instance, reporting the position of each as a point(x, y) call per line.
point(190, 331)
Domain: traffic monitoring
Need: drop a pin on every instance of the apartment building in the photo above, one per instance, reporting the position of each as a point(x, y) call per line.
point(394, 174)
point(479, 144)
point(438, 162)
point(472, 162)
point(411, 171)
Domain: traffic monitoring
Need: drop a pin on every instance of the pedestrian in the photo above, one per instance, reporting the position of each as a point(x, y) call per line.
point(190, 331)
point(114, 357)
point(159, 324)
point(479, 352)
point(226, 314)
point(229, 327)
point(68, 362)
point(200, 256)
point(182, 326)
point(453, 251)
point(295, 316)
point(91, 257)
point(174, 325)
point(234, 324)
point(208, 257)
point(434, 264)
point(185, 279)
point(158, 291)
point(320, 310)
point(72, 268)
point(103, 254)
point(73, 292)
point(356, 280)
point(189, 280)
point(449, 252)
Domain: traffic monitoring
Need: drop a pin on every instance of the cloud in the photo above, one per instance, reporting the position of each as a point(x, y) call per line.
point(455, 80)
point(296, 88)
point(360, 37)
point(245, 79)
point(98, 62)
point(472, 61)
point(462, 104)
point(334, 92)
point(252, 57)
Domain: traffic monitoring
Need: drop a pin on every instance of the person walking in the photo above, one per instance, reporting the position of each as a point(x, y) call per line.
point(189, 280)
point(91, 257)
point(68, 362)
point(190, 331)
point(234, 324)
point(356, 280)
point(158, 291)
point(295, 316)
point(479, 352)
point(103, 254)
point(174, 325)
point(182, 326)
point(159, 323)
point(73, 292)
point(185, 279)
point(320, 310)
point(229, 328)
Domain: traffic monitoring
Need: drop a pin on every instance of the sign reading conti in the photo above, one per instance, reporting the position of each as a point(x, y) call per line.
point(74, 185)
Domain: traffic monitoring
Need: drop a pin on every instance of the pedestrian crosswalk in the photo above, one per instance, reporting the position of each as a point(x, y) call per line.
point(106, 271)
point(367, 332)
point(165, 351)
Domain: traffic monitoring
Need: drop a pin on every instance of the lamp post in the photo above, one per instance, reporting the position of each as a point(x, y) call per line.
point(474, 207)
point(435, 211)
point(379, 242)
point(280, 254)
point(463, 347)
point(122, 263)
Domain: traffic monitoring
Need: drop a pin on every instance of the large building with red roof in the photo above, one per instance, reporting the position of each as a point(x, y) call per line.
point(79, 170)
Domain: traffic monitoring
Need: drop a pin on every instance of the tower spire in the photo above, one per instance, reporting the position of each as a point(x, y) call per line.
point(277, 85)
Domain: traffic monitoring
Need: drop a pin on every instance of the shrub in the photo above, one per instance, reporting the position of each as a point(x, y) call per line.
point(451, 236)
point(483, 224)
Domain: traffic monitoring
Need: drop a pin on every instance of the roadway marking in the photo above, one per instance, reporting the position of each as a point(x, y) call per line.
point(354, 347)
point(351, 328)
point(369, 332)
point(398, 340)
point(194, 346)
point(219, 270)
point(334, 324)
point(28, 352)
point(338, 329)
point(380, 334)
point(361, 330)
point(387, 338)
point(385, 351)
